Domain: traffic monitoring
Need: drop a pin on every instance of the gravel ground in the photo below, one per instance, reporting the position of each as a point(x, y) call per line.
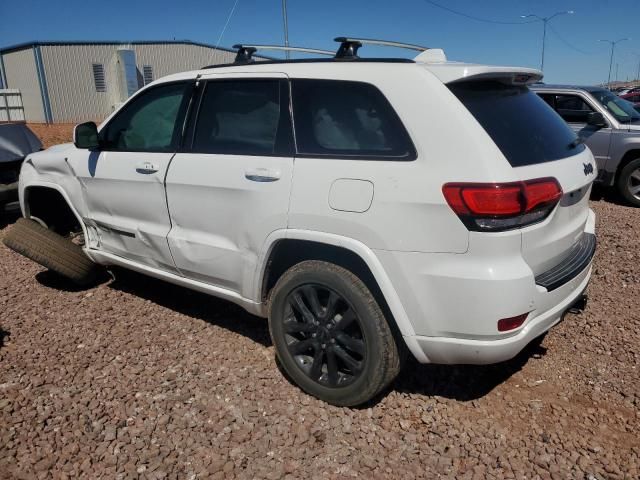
point(136, 378)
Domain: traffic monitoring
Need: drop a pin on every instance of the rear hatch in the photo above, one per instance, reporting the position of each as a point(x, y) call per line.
point(538, 144)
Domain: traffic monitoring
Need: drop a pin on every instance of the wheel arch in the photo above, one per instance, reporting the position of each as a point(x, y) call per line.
point(629, 156)
point(36, 192)
point(290, 247)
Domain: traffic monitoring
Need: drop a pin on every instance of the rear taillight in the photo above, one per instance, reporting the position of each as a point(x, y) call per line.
point(502, 206)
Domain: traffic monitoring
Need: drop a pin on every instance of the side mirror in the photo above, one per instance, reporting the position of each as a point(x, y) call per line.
point(596, 119)
point(85, 135)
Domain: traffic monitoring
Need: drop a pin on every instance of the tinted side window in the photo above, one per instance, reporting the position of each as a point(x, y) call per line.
point(149, 122)
point(241, 117)
point(549, 98)
point(347, 119)
point(572, 108)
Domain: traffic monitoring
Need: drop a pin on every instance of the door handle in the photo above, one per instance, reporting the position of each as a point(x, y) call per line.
point(262, 175)
point(146, 168)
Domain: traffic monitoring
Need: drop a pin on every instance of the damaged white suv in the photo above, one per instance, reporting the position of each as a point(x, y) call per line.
point(367, 207)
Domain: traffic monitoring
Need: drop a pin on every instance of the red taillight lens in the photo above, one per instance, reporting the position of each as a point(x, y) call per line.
point(512, 323)
point(542, 192)
point(496, 200)
point(502, 206)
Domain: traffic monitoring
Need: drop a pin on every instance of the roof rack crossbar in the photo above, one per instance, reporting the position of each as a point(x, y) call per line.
point(349, 46)
point(245, 52)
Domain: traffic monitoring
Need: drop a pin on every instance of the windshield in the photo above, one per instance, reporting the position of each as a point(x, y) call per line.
point(520, 123)
point(623, 110)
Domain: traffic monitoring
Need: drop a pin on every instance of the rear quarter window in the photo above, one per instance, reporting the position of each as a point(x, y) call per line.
point(523, 126)
point(345, 119)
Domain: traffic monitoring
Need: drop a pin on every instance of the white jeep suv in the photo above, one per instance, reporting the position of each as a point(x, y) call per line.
point(367, 207)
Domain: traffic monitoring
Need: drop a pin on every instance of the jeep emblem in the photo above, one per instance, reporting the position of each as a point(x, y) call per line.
point(588, 168)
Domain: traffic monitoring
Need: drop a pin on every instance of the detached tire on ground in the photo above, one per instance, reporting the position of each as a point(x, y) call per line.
point(50, 250)
point(330, 334)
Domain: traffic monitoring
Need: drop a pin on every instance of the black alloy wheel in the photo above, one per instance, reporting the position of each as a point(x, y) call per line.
point(324, 335)
point(330, 334)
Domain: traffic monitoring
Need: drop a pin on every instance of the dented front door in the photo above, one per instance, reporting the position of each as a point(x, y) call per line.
point(124, 183)
point(126, 202)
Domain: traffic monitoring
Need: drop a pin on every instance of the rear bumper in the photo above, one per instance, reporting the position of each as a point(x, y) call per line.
point(454, 302)
point(480, 352)
point(8, 193)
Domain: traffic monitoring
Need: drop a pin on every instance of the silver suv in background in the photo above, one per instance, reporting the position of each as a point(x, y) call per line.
point(610, 127)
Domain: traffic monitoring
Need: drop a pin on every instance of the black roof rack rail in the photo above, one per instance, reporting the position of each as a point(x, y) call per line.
point(245, 52)
point(349, 46)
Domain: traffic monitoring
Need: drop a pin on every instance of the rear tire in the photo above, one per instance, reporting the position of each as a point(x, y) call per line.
point(629, 182)
point(50, 250)
point(330, 335)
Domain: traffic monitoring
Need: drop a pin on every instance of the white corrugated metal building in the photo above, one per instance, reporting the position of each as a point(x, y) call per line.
point(78, 81)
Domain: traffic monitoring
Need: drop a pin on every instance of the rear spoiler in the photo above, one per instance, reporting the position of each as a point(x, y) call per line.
point(451, 72)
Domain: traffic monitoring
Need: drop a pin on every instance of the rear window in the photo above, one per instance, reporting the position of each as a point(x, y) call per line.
point(521, 124)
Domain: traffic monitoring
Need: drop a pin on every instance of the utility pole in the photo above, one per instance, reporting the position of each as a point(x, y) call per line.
point(613, 46)
point(286, 27)
point(544, 21)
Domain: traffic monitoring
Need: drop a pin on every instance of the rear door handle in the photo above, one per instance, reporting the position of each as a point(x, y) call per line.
point(262, 175)
point(146, 168)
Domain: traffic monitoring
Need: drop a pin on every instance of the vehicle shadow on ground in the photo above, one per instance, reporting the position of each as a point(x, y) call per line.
point(193, 304)
point(459, 382)
point(3, 334)
point(9, 214)
point(50, 279)
point(462, 382)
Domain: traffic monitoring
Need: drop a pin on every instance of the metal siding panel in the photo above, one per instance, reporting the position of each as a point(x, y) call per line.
point(70, 80)
point(174, 58)
point(68, 70)
point(21, 73)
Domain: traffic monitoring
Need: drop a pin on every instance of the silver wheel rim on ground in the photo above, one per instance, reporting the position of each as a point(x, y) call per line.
point(633, 183)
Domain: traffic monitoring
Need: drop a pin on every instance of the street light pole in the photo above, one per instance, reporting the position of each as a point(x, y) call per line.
point(286, 27)
point(613, 46)
point(544, 21)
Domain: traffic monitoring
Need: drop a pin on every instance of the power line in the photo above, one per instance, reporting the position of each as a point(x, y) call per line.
point(473, 17)
point(233, 9)
point(567, 43)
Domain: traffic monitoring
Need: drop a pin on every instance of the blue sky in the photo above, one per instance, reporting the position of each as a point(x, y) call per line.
point(575, 56)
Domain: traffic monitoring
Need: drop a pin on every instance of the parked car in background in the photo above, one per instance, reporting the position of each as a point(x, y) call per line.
point(626, 91)
point(367, 207)
point(16, 142)
point(633, 97)
point(609, 125)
